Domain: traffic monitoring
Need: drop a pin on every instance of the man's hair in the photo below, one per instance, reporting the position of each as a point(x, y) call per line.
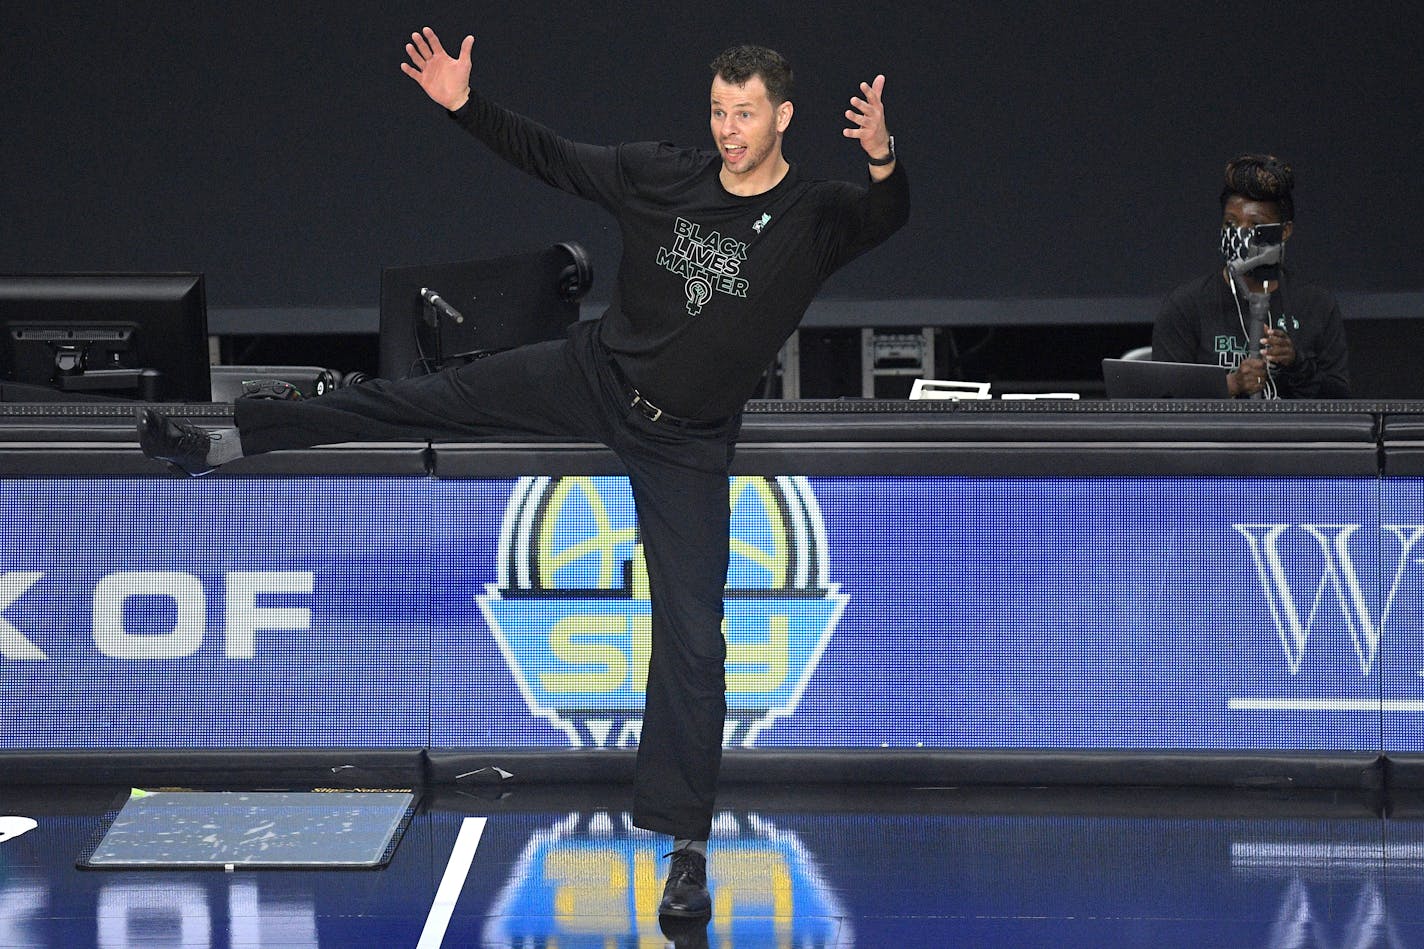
point(1261, 178)
point(741, 63)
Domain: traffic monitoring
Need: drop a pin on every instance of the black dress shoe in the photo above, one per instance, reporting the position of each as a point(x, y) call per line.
point(685, 893)
point(183, 446)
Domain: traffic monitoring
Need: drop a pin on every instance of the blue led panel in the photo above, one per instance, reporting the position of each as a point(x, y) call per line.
point(902, 613)
point(155, 613)
point(1188, 613)
point(1401, 538)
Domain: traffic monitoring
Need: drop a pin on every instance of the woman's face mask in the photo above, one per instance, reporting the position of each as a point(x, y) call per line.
point(1235, 242)
point(1239, 243)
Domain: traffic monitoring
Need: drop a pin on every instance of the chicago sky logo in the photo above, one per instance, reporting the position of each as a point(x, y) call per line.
point(1328, 582)
point(570, 609)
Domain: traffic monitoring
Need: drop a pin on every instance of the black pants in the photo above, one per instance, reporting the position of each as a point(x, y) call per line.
point(679, 480)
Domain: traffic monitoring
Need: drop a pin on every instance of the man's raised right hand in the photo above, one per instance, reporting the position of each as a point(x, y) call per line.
point(445, 80)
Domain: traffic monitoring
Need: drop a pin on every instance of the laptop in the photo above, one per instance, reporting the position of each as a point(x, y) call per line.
point(1144, 379)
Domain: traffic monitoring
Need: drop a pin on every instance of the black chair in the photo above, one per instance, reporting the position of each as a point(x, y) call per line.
point(488, 305)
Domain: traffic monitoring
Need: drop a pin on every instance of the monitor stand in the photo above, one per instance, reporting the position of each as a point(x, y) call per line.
point(144, 381)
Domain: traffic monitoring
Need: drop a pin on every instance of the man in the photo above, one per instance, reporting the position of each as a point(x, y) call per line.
point(1295, 349)
point(722, 253)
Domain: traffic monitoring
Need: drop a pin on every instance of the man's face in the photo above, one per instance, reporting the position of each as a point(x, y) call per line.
point(745, 125)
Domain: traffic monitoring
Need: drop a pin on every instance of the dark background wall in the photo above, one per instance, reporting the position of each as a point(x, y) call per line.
point(1056, 149)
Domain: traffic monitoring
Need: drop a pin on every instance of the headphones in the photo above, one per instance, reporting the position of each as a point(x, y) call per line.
point(577, 278)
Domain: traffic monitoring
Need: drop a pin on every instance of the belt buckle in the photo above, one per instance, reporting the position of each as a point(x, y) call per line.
point(650, 411)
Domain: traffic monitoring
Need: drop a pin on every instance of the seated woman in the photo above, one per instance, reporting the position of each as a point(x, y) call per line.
point(1301, 352)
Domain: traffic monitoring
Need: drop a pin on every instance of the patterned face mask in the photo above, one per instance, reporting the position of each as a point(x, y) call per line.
point(1235, 242)
point(1239, 243)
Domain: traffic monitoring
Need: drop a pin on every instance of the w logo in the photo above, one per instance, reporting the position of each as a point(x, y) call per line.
point(1308, 571)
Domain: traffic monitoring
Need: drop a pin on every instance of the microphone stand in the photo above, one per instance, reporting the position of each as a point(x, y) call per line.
point(1260, 303)
point(434, 308)
point(432, 319)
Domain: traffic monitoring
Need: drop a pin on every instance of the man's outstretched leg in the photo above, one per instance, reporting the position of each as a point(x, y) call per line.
point(543, 388)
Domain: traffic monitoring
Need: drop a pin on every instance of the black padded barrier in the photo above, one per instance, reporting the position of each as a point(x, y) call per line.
point(357, 768)
point(1402, 445)
point(818, 438)
point(217, 767)
point(941, 767)
point(100, 440)
point(900, 438)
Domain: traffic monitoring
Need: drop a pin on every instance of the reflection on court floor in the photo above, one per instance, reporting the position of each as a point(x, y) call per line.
point(562, 868)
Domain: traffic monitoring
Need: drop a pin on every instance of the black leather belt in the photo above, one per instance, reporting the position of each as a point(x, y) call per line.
point(650, 411)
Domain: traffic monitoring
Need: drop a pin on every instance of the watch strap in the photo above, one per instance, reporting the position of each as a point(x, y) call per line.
point(887, 159)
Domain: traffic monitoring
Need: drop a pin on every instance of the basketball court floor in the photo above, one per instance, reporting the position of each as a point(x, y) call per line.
point(559, 867)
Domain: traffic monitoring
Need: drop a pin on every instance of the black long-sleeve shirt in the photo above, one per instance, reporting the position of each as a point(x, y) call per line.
point(1200, 322)
point(710, 283)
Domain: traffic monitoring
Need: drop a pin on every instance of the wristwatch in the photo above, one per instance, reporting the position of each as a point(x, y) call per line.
point(887, 159)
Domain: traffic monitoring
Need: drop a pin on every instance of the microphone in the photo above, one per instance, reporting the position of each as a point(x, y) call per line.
point(1256, 325)
point(1260, 302)
point(433, 299)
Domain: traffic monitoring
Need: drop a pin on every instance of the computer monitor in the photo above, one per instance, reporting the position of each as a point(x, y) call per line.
point(1144, 379)
point(116, 335)
point(502, 302)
